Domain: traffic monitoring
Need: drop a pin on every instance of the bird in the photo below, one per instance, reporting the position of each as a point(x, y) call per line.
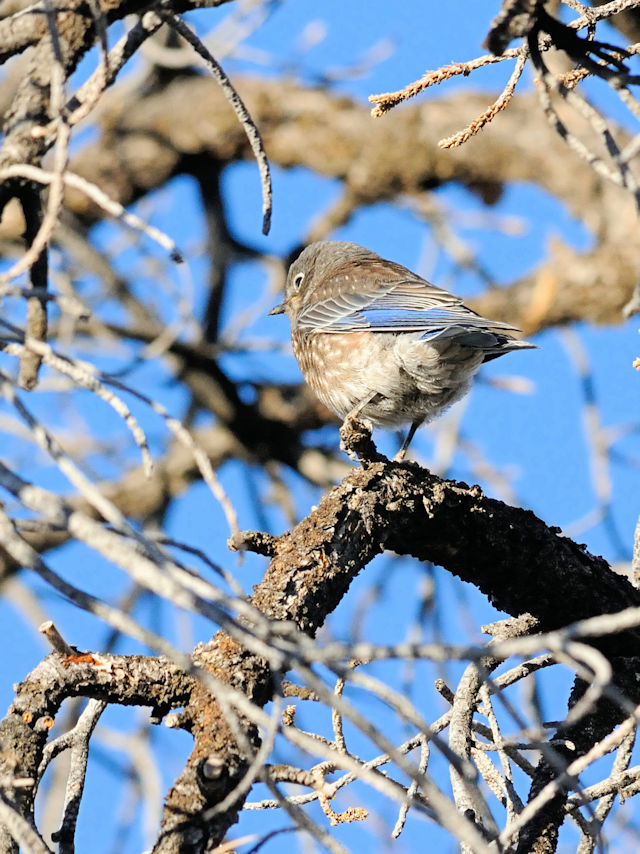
point(376, 341)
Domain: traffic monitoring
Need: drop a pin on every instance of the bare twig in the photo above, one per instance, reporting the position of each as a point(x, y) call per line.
point(250, 128)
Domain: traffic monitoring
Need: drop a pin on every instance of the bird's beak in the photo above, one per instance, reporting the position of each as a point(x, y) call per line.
point(279, 309)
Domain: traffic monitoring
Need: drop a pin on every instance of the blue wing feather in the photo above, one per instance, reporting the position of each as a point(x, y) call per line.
point(405, 306)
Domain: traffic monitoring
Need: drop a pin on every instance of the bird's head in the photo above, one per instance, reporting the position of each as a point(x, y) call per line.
point(311, 269)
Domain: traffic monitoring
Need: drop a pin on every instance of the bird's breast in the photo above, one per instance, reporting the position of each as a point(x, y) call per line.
point(337, 366)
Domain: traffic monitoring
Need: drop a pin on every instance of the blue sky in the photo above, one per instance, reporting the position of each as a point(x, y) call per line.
point(537, 441)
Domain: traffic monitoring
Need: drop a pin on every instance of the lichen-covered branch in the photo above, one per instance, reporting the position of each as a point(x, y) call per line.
point(517, 560)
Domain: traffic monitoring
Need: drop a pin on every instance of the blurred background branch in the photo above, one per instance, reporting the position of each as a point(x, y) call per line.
point(150, 411)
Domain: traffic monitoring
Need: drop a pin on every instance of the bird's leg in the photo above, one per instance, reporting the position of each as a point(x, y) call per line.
point(399, 457)
point(357, 409)
point(356, 443)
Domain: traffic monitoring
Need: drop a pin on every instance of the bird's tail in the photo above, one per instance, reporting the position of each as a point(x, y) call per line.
point(500, 345)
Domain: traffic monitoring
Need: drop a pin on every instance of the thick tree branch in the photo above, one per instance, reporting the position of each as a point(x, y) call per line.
point(510, 554)
point(518, 561)
point(126, 680)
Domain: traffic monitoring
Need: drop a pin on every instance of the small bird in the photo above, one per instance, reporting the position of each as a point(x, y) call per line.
point(375, 340)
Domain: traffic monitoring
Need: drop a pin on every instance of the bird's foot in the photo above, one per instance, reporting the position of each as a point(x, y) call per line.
point(399, 457)
point(356, 441)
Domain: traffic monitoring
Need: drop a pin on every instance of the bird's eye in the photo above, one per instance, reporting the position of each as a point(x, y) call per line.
point(297, 280)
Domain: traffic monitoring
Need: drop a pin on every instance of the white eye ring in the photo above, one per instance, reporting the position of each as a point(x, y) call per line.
point(297, 281)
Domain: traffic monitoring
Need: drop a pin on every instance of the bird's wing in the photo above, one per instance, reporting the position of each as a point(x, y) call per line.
point(404, 305)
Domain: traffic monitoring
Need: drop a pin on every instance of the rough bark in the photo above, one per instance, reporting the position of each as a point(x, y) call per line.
point(510, 554)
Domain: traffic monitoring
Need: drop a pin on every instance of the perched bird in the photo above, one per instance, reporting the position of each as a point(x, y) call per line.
point(375, 340)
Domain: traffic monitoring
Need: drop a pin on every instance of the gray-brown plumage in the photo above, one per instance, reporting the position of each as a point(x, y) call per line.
point(376, 340)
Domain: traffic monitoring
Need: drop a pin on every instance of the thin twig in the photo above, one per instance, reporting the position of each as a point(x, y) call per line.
point(491, 112)
point(234, 99)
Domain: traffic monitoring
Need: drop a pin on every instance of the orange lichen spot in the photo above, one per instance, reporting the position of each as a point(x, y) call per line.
point(323, 560)
point(27, 717)
point(80, 658)
point(228, 645)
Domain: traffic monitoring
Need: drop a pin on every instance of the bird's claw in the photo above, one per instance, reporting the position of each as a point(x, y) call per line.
point(356, 441)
